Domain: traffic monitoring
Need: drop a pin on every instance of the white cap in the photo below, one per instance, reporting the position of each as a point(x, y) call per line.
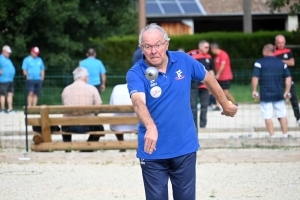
point(7, 49)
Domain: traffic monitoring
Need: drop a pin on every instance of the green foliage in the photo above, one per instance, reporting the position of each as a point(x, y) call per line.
point(243, 49)
point(62, 28)
point(276, 5)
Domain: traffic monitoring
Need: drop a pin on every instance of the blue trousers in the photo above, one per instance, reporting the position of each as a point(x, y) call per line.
point(181, 171)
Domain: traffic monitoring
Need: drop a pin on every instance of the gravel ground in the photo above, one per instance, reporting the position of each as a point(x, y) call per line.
point(116, 180)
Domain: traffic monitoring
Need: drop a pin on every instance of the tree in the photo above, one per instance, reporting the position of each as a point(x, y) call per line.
point(62, 28)
point(276, 5)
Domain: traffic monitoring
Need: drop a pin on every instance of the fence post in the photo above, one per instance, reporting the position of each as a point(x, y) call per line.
point(26, 115)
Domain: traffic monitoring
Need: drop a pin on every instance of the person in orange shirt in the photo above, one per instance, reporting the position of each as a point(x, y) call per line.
point(223, 71)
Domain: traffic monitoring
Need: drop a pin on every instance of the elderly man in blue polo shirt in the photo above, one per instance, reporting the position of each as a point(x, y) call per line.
point(34, 70)
point(7, 74)
point(167, 138)
point(96, 70)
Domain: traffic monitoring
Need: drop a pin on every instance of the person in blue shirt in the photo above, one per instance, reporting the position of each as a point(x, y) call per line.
point(96, 69)
point(167, 137)
point(7, 74)
point(270, 72)
point(137, 55)
point(34, 70)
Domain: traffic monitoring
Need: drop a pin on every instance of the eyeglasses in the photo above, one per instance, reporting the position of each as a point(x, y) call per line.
point(157, 46)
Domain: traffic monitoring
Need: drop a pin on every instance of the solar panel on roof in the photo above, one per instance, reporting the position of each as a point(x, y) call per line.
point(171, 8)
point(164, 8)
point(190, 8)
point(153, 9)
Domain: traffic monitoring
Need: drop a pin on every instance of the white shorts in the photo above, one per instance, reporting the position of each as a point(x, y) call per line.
point(267, 109)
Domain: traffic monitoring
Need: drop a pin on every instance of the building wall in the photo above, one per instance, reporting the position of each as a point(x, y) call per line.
point(176, 28)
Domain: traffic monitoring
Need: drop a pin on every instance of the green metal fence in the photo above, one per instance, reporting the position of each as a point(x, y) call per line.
point(247, 123)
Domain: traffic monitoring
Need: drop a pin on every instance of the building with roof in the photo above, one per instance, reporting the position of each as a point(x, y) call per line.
point(179, 17)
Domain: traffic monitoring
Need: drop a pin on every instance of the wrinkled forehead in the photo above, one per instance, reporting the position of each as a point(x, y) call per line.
point(152, 36)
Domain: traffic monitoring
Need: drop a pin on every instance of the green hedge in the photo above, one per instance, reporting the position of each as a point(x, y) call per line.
point(243, 49)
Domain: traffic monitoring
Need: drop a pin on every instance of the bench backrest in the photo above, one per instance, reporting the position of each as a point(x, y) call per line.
point(46, 121)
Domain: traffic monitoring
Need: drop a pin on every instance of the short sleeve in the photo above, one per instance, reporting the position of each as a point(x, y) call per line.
point(1, 61)
point(97, 97)
point(290, 54)
point(111, 102)
point(211, 65)
point(286, 72)
point(135, 82)
point(42, 65)
point(198, 70)
point(223, 57)
point(102, 69)
point(24, 64)
point(257, 69)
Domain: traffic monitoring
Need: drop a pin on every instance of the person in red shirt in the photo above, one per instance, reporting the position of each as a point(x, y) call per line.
point(198, 89)
point(286, 55)
point(223, 71)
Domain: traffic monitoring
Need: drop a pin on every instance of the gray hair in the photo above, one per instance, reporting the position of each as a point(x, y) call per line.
point(269, 48)
point(80, 72)
point(202, 42)
point(151, 27)
point(214, 45)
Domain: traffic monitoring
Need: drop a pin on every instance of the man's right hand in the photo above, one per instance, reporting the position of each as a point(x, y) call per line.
point(150, 139)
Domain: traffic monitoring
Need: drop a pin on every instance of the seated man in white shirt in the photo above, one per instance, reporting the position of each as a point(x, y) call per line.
point(120, 96)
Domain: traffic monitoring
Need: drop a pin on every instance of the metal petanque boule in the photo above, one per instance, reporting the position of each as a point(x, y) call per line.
point(151, 73)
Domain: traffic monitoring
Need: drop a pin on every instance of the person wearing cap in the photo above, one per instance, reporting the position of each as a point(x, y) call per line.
point(34, 70)
point(96, 69)
point(7, 74)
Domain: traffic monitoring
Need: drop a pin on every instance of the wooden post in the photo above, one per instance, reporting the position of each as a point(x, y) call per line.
point(45, 122)
point(247, 17)
point(142, 14)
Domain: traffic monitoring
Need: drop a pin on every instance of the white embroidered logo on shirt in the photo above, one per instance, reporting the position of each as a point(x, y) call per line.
point(179, 75)
point(285, 56)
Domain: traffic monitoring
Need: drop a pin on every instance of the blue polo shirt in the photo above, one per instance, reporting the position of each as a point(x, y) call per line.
point(271, 72)
point(95, 67)
point(168, 101)
point(34, 67)
point(8, 70)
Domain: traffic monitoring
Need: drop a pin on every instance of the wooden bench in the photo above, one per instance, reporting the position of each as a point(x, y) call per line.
point(46, 116)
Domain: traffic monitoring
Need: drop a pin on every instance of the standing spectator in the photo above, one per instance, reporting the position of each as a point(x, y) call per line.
point(287, 57)
point(198, 89)
point(7, 74)
point(270, 72)
point(223, 71)
point(34, 70)
point(120, 96)
point(96, 70)
point(167, 138)
point(137, 55)
point(77, 94)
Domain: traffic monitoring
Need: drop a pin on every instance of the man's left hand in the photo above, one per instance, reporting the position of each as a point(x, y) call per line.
point(102, 87)
point(229, 110)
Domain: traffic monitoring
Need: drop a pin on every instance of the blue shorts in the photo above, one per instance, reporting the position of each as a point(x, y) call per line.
point(181, 171)
point(34, 86)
